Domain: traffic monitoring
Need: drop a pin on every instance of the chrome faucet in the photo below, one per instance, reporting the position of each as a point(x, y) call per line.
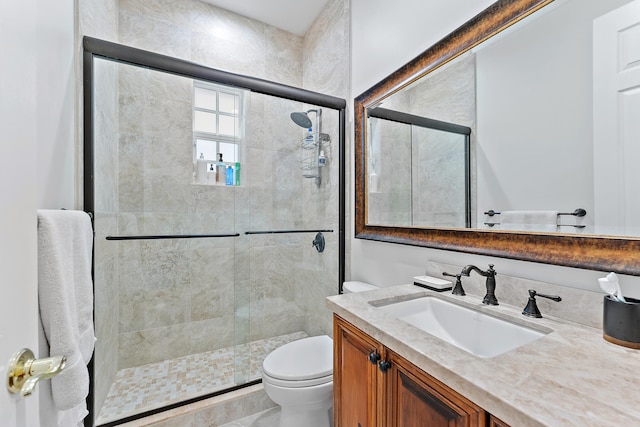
point(490, 274)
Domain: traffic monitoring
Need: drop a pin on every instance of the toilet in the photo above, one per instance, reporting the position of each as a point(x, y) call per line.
point(351, 287)
point(298, 376)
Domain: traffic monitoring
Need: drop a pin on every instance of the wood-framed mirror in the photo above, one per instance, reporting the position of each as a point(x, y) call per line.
point(588, 248)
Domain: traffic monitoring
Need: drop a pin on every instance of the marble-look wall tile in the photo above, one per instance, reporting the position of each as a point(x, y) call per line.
point(98, 18)
point(264, 276)
point(255, 123)
point(392, 201)
point(143, 31)
point(154, 345)
point(326, 51)
point(227, 41)
point(280, 133)
point(106, 127)
point(166, 11)
point(438, 178)
point(283, 57)
point(326, 70)
point(168, 118)
point(130, 172)
point(211, 287)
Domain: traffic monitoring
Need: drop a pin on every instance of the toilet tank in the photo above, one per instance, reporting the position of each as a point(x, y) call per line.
point(351, 287)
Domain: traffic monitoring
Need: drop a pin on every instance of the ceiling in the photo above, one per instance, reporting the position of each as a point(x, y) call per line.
point(295, 16)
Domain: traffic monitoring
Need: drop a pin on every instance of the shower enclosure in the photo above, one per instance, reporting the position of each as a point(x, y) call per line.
point(197, 277)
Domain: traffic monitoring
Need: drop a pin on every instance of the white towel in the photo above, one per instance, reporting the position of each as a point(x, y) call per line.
point(529, 220)
point(65, 296)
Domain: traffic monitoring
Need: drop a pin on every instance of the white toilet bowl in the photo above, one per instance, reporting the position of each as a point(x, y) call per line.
point(298, 376)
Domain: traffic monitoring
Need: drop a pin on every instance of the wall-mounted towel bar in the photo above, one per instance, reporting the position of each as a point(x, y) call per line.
point(172, 236)
point(491, 224)
point(578, 212)
point(287, 231)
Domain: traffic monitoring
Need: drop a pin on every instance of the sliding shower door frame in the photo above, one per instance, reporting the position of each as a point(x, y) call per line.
point(96, 48)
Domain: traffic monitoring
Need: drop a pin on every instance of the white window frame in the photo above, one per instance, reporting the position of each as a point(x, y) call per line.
point(215, 137)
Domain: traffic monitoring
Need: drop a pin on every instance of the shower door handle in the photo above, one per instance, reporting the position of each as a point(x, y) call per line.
point(25, 371)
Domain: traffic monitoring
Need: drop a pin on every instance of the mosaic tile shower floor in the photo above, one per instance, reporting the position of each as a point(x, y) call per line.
point(151, 386)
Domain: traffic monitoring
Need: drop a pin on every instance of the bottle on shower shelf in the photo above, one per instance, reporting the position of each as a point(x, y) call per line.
point(220, 170)
point(322, 160)
point(201, 170)
point(211, 175)
point(229, 177)
point(309, 138)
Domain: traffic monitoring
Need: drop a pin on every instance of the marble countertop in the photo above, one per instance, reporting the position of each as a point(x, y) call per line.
point(570, 377)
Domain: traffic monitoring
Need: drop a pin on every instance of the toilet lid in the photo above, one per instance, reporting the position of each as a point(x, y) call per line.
point(353, 287)
point(303, 359)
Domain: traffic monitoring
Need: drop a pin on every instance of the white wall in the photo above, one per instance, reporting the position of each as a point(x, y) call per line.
point(19, 317)
point(534, 114)
point(55, 108)
point(384, 37)
point(35, 76)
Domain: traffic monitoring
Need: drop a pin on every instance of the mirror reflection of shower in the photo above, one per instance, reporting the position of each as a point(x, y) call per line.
point(313, 144)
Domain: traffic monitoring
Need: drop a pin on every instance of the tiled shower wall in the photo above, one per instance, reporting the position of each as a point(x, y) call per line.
point(326, 70)
point(176, 297)
point(270, 199)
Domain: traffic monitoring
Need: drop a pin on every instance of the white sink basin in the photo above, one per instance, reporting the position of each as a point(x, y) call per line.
point(478, 333)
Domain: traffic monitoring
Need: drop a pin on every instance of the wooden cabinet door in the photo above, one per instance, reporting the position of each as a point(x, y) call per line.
point(355, 378)
point(496, 422)
point(416, 399)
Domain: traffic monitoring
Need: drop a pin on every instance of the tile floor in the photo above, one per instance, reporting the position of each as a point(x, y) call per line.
point(155, 385)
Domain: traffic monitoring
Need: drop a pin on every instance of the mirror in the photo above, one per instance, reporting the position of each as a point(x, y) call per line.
point(420, 175)
point(531, 96)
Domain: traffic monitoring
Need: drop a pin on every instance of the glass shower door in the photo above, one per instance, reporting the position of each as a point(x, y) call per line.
point(170, 314)
point(196, 281)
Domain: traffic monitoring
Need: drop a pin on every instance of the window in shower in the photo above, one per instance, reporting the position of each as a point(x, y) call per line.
point(218, 122)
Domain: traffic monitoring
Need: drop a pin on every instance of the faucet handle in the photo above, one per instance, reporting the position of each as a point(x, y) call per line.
point(457, 289)
point(531, 309)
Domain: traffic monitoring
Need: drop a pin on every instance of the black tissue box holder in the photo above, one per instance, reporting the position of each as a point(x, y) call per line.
point(621, 322)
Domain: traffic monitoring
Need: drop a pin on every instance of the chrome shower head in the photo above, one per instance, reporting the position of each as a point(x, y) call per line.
point(301, 119)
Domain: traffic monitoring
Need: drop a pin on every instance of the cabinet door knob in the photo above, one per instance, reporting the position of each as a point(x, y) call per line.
point(374, 357)
point(384, 365)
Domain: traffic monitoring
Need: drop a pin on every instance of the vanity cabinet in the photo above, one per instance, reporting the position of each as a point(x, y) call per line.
point(356, 387)
point(376, 387)
point(495, 422)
